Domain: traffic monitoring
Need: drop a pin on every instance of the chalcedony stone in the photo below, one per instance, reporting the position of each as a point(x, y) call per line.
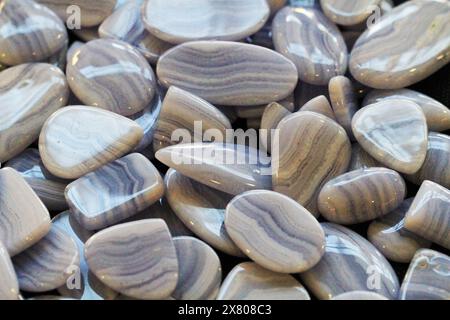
point(275, 231)
point(360, 295)
point(427, 277)
point(361, 159)
point(79, 139)
point(112, 75)
point(29, 94)
point(228, 73)
point(24, 220)
point(137, 259)
point(202, 210)
point(271, 117)
point(9, 286)
point(392, 54)
point(349, 12)
point(49, 188)
point(29, 32)
point(394, 132)
point(428, 215)
point(311, 150)
point(49, 263)
point(320, 105)
point(114, 192)
point(186, 116)
point(436, 166)
point(361, 195)
point(200, 271)
point(312, 42)
point(437, 115)
point(231, 168)
point(350, 263)
point(249, 281)
point(204, 19)
point(388, 234)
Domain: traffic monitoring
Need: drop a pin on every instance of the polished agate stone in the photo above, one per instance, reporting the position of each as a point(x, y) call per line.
point(9, 286)
point(348, 12)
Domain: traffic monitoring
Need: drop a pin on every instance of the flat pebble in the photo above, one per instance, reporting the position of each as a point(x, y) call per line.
point(9, 286)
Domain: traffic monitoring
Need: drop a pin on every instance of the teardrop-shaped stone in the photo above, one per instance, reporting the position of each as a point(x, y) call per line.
point(24, 219)
point(361, 195)
point(204, 19)
point(393, 55)
point(228, 73)
point(361, 159)
point(311, 150)
point(9, 286)
point(350, 263)
point(49, 263)
point(389, 235)
point(126, 24)
point(49, 188)
point(29, 32)
point(349, 12)
point(320, 105)
point(428, 215)
point(200, 271)
point(437, 115)
point(183, 113)
point(114, 192)
point(78, 139)
point(249, 281)
point(272, 116)
point(29, 94)
point(427, 277)
point(275, 231)
point(231, 168)
point(202, 209)
point(112, 75)
point(394, 132)
point(359, 296)
point(312, 42)
point(137, 259)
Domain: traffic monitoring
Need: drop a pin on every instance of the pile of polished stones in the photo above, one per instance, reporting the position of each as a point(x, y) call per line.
point(117, 117)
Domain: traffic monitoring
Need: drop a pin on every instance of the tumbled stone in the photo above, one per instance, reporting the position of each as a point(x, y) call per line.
point(320, 105)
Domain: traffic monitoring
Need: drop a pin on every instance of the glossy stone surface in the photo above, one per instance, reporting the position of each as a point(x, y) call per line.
point(112, 75)
point(48, 264)
point(78, 139)
point(29, 32)
point(203, 19)
point(202, 210)
point(348, 12)
point(114, 192)
point(200, 271)
point(312, 42)
point(226, 167)
point(437, 115)
point(24, 219)
point(312, 149)
point(360, 295)
point(428, 215)
point(388, 234)
point(92, 13)
point(361, 159)
point(271, 117)
point(228, 73)
point(9, 286)
point(392, 55)
point(275, 231)
point(137, 259)
point(126, 24)
point(249, 281)
point(350, 263)
point(394, 132)
point(361, 195)
point(320, 105)
point(29, 94)
point(427, 277)
point(180, 111)
point(49, 188)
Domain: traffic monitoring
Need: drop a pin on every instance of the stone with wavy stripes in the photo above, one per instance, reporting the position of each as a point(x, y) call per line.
point(9, 286)
point(137, 259)
point(78, 139)
point(349, 12)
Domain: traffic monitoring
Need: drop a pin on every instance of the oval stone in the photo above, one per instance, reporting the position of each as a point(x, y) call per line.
point(392, 55)
point(228, 73)
point(29, 32)
point(311, 150)
point(361, 195)
point(204, 19)
point(111, 75)
point(350, 263)
point(9, 286)
point(29, 94)
point(312, 42)
point(348, 12)
point(78, 139)
point(275, 231)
